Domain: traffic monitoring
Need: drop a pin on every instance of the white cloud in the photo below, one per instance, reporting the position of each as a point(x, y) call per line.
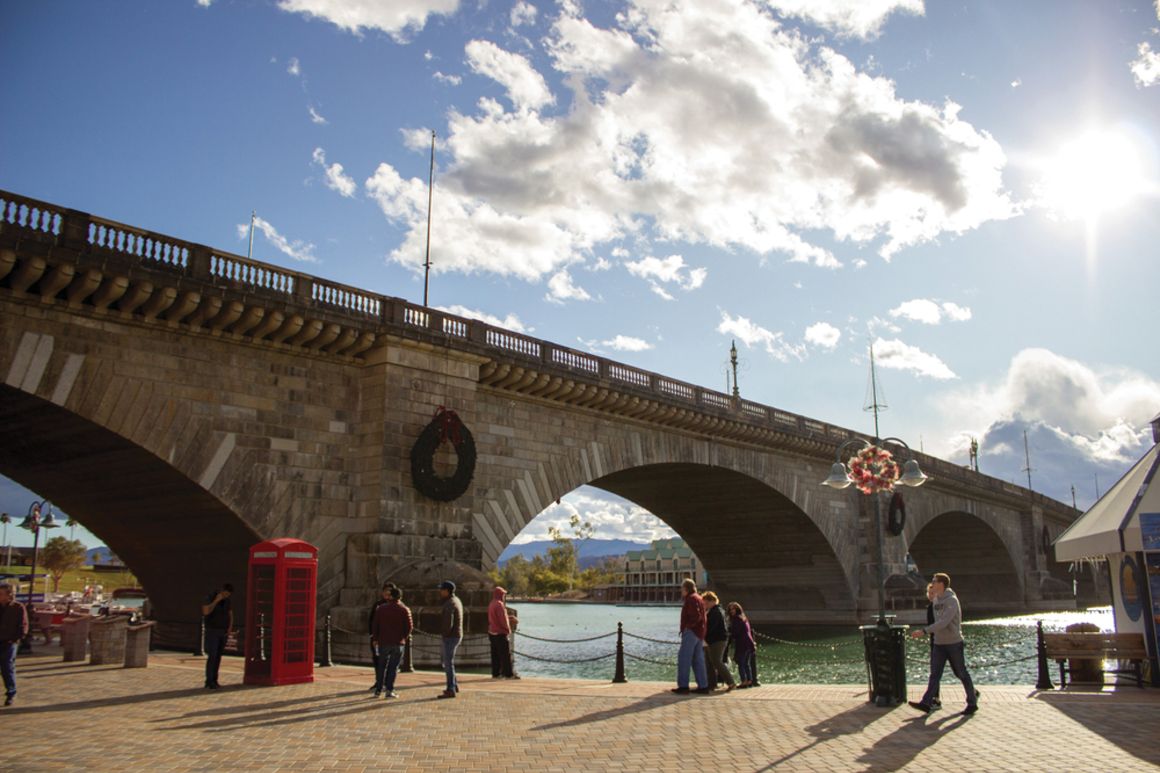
point(896, 355)
point(526, 88)
point(510, 322)
point(1080, 422)
point(752, 335)
point(800, 143)
point(930, 312)
point(601, 264)
point(1016, 83)
point(397, 18)
point(561, 288)
point(823, 334)
point(452, 80)
point(205, 3)
point(294, 68)
point(1146, 66)
point(315, 117)
point(523, 13)
point(670, 270)
point(623, 343)
point(428, 56)
point(336, 178)
point(295, 248)
point(610, 516)
point(858, 18)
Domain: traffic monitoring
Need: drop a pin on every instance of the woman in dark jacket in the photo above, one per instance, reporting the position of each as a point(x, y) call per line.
point(716, 636)
point(744, 647)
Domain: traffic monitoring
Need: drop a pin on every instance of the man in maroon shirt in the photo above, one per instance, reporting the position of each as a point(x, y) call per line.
point(13, 628)
point(390, 628)
point(692, 652)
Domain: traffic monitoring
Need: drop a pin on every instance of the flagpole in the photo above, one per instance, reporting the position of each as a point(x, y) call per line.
point(430, 191)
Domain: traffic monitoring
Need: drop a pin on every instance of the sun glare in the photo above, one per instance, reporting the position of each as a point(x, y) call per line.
point(1093, 174)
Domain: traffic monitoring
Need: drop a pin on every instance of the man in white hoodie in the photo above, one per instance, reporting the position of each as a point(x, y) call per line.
point(948, 646)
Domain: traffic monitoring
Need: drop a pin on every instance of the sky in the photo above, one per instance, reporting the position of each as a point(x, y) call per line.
point(969, 188)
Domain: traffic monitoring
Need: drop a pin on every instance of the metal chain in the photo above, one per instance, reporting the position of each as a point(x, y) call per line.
point(654, 641)
point(523, 635)
point(833, 646)
point(666, 663)
point(555, 660)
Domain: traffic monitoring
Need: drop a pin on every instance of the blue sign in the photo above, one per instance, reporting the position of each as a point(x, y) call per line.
point(1150, 530)
point(35, 598)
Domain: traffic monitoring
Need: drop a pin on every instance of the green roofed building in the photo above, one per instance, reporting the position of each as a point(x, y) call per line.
point(654, 575)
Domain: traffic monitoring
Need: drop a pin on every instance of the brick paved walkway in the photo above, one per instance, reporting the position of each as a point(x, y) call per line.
point(77, 717)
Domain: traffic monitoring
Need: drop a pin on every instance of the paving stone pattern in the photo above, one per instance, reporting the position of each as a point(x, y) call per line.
point(72, 716)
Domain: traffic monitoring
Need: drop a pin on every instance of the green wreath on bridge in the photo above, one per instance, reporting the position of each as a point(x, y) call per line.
point(445, 427)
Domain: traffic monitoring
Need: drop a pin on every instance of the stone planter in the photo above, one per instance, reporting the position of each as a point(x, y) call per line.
point(74, 637)
point(107, 640)
point(137, 645)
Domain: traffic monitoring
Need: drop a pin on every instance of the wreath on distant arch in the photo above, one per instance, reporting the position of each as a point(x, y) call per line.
point(896, 522)
point(445, 427)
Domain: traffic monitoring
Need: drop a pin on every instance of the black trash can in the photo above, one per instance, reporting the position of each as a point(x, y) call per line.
point(885, 645)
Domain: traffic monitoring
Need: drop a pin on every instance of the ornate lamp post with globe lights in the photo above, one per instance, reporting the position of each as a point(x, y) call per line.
point(874, 470)
point(34, 523)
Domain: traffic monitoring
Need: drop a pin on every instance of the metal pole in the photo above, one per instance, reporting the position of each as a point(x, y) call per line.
point(430, 192)
point(199, 648)
point(407, 667)
point(26, 642)
point(325, 660)
point(253, 216)
point(1044, 680)
point(619, 677)
point(881, 560)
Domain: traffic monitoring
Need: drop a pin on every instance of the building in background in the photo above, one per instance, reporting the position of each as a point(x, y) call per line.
point(654, 575)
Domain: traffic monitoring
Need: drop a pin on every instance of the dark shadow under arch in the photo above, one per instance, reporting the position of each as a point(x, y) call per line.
point(758, 547)
point(981, 570)
point(177, 539)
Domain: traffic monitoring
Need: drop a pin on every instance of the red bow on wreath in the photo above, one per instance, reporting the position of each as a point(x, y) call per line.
point(448, 424)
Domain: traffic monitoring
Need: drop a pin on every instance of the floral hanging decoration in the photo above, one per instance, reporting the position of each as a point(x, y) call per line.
point(873, 469)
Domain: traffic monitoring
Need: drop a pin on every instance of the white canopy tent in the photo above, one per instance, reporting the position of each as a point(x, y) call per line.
point(1112, 525)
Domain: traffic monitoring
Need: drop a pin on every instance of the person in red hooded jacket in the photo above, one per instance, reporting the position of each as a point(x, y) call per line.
point(499, 635)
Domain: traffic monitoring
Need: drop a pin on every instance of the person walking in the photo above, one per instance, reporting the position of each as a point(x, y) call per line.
point(717, 639)
point(948, 646)
point(218, 614)
point(498, 632)
point(692, 651)
point(384, 596)
point(935, 703)
point(389, 631)
point(513, 617)
point(452, 634)
point(744, 646)
point(13, 629)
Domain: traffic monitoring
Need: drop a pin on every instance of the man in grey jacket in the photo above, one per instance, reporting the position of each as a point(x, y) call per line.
point(948, 646)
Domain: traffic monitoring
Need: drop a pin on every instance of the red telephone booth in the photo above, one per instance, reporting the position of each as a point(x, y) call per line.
point(280, 598)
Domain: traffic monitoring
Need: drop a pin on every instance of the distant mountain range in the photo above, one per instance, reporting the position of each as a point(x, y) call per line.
point(591, 552)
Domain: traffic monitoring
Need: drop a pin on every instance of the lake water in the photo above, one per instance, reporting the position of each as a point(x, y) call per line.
point(999, 651)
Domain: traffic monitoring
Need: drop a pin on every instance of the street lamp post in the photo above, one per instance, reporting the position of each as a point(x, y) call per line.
point(6, 519)
point(34, 523)
point(874, 470)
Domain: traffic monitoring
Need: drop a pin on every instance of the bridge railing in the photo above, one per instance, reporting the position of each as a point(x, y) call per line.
point(85, 234)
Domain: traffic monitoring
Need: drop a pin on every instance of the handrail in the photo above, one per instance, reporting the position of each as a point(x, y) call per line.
point(85, 233)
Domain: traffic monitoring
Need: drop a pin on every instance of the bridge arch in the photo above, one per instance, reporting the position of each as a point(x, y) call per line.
point(176, 537)
point(754, 523)
point(983, 567)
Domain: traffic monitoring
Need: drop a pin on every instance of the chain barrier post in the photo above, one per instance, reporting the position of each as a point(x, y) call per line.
point(325, 661)
point(1044, 681)
point(619, 677)
point(199, 647)
point(407, 667)
point(756, 682)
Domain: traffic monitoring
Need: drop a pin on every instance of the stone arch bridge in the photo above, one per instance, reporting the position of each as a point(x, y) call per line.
point(183, 402)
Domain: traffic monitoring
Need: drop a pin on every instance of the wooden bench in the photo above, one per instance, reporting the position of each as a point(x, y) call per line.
point(1062, 647)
